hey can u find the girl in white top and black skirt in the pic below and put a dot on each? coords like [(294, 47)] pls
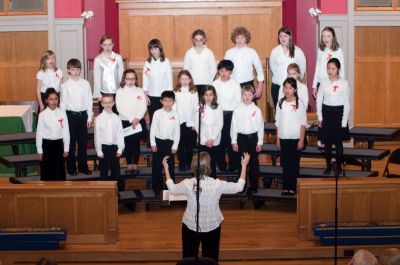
[(281, 56), (131, 105), (186, 105), (290, 121), (49, 76), (107, 71), (210, 216), (200, 61), (212, 120), (333, 111), (52, 139), (157, 76)]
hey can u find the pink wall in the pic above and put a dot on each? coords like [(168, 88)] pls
[(95, 27), (289, 16), (112, 22), (68, 8), (333, 7)]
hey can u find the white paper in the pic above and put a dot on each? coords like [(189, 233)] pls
[(167, 196), (129, 130)]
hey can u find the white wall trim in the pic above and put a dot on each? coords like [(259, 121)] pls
[(69, 42), (23, 23)]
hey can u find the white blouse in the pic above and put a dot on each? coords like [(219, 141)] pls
[(165, 126), (245, 60), (210, 215), (302, 92), (335, 93), (108, 130), (186, 104), (157, 77), (279, 62), (131, 103), (107, 73), (229, 94), (202, 66), (76, 95), (52, 125), (49, 78), (247, 119), (212, 121), (321, 63), (289, 119)]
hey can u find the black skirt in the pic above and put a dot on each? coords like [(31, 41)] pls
[(332, 130), (52, 166)]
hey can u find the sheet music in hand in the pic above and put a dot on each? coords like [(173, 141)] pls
[(167, 196)]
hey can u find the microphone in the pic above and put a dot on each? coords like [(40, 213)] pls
[(334, 166)]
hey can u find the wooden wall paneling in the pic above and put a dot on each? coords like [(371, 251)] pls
[(369, 93), (19, 63), (391, 107), (145, 28), (124, 33)]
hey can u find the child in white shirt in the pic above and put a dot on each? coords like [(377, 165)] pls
[(186, 105), (211, 123), (164, 139), (290, 121), (157, 76), (246, 60), (52, 139), (76, 101), (228, 98), (48, 76), (200, 61), (107, 70), (293, 71), (131, 105), (281, 56), (109, 141), (247, 133)]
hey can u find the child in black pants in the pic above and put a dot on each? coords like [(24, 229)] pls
[(164, 139), (109, 141), (290, 121), (247, 133)]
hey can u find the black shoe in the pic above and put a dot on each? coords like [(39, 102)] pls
[(291, 193), (72, 172), (284, 193), (86, 171), (327, 171)]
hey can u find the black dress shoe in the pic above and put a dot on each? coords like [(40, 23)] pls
[(86, 171), (284, 193), (327, 171)]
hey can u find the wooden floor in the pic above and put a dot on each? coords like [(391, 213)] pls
[(264, 236)]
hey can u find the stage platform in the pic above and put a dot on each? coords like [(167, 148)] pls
[(264, 236)]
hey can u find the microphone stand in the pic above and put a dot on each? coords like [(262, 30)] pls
[(335, 171), (201, 109)]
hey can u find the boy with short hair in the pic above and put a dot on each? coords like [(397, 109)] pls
[(247, 133), (228, 98), (164, 139), (245, 60), (109, 140), (76, 101)]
